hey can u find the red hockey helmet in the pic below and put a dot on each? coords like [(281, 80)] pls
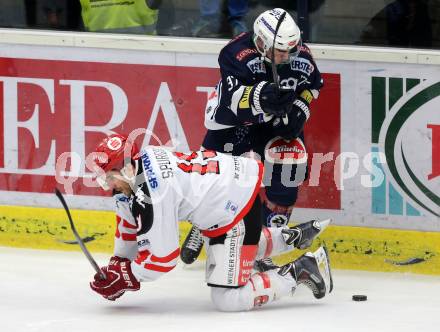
[(113, 152)]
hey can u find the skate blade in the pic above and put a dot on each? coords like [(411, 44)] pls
[(323, 261), (323, 224)]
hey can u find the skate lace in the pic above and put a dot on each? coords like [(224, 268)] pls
[(268, 261), (195, 240)]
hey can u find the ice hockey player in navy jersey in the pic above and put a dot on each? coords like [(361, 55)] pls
[(248, 112), (155, 188)]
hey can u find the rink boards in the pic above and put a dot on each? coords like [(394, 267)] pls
[(355, 248), (373, 139)]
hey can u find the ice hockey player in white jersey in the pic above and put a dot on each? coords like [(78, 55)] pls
[(156, 188)]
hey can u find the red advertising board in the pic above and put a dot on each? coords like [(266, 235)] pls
[(49, 107)]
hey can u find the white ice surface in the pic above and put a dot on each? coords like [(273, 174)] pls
[(48, 291)]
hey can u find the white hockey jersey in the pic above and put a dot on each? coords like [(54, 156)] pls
[(212, 190)]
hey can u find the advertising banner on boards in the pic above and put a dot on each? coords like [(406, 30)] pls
[(373, 143), (372, 139), (50, 107)]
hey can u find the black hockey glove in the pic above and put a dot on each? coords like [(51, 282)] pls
[(267, 98), (291, 125)]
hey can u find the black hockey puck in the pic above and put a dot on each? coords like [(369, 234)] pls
[(359, 297)]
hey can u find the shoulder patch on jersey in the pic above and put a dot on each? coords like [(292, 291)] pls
[(256, 66), (303, 65), (244, 53)]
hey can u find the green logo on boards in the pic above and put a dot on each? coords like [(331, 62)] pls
[(406, 129)]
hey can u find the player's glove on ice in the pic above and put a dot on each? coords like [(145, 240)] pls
[(119, 279), (291, 125), (267, 98)]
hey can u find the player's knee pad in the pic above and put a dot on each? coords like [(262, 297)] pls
[(232, 299), (230, 260), (261, 288)]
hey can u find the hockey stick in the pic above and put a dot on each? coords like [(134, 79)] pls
[(274, 66), (78, 238)]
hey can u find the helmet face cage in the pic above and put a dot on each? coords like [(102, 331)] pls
[(287, 39)]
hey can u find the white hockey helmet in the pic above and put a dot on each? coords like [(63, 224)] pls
[(288, 37)]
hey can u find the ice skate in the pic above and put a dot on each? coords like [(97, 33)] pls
[(302, 235), (312, 270), (192, 246)]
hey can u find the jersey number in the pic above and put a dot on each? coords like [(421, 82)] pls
[(208, 166)]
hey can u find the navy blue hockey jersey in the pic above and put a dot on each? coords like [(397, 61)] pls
[(241, 67)]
